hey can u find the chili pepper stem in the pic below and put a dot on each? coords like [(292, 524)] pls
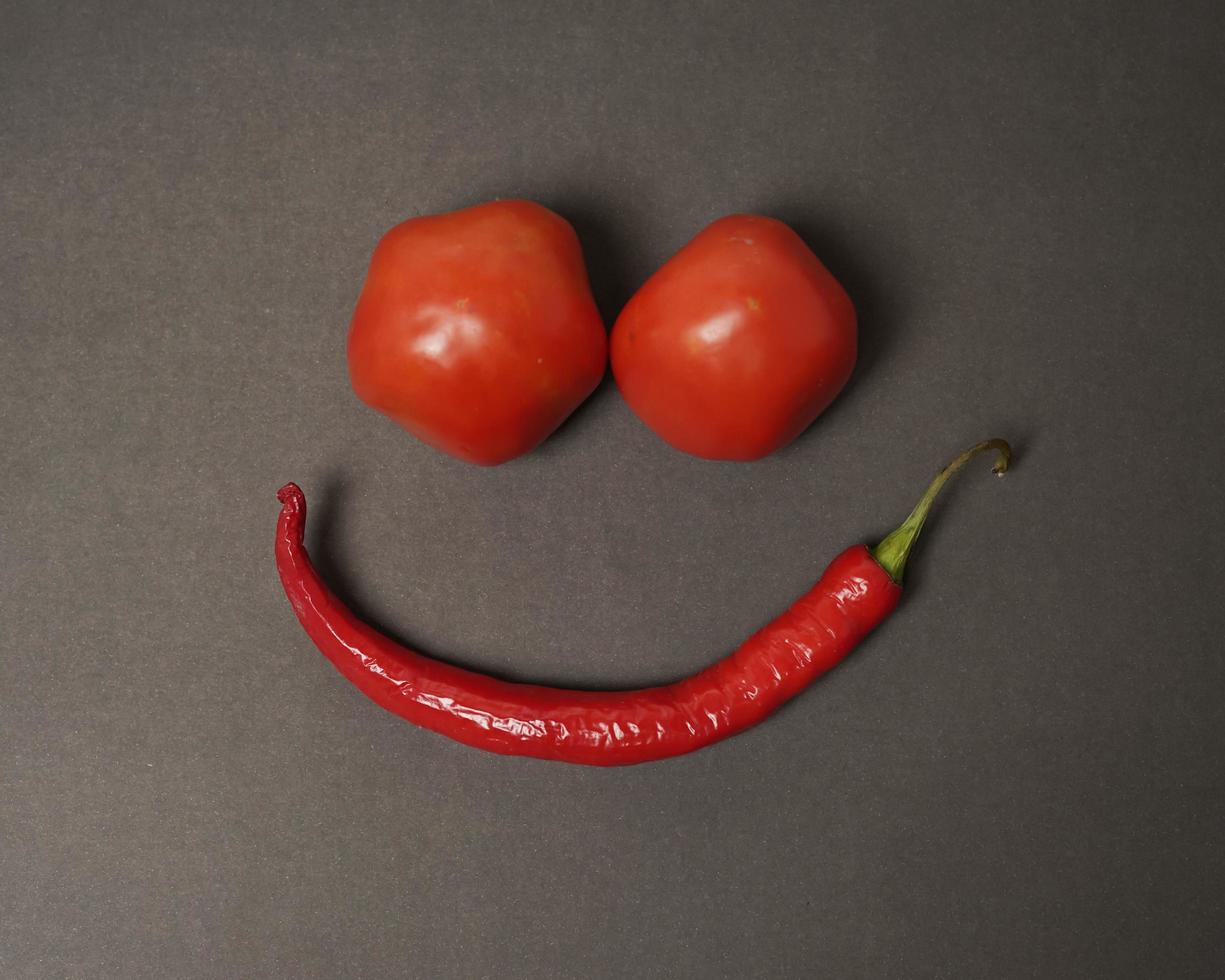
[(892, 552)]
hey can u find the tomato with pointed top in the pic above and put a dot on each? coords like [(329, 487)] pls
[(476, 331), (737, 343)]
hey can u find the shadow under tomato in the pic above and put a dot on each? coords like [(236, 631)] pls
[(863, 272), (606, 251), (582, 423), (614, 277)]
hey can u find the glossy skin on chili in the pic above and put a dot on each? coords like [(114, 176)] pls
[(476, 330), (737, 343), (601, 728)]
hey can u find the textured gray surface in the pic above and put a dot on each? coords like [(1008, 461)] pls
[(1019, 775)]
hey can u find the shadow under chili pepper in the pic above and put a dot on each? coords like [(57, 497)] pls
[(324, 534), (323, 537)]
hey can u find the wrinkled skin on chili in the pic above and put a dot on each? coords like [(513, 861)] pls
[(599, 728), (614, 728)]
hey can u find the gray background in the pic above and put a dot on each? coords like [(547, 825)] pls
[(1019, 775)]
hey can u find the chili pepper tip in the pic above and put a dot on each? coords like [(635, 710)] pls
[(291, 495)]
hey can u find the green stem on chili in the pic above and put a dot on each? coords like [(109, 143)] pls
[(891, 553)]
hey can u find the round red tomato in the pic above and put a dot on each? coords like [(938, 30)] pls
[(476, 330), (735, 345)]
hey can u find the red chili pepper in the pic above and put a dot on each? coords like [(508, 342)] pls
[(612, 728)]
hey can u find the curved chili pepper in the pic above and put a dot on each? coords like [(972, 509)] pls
[(611, 728)]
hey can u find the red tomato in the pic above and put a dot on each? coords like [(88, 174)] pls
[(735, 345), (476, 330)]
